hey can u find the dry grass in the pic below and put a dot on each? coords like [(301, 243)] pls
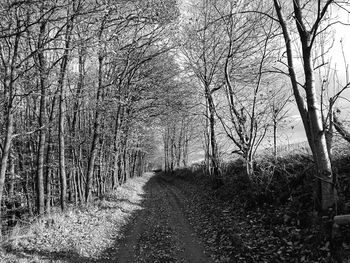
[(286, 149), (82, 233), (340, 148)]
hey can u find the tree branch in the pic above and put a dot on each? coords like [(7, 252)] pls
[(341, 129)]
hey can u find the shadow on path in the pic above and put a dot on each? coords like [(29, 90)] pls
[(158, 232), (61, 256)]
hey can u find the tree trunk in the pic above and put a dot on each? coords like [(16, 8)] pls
[(8, 84), (214, 158), (133, 161), (115, 145), (79, 176), (61, 139), (166, 150), (185, 151), (341, 129), (25, 179), (249, 164), (321, 154), (62, 76), (95, 138), (75, 188), (6, 151), (11, 192), (49, 173), (310, 113), (40, 203), (275, 138), (49, 159), (125, 168)]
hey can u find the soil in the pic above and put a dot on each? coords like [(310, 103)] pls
[(160, 231), (170, 218)]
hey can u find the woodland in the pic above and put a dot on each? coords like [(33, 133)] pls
[(96, 93)]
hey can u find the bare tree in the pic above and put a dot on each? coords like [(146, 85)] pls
[(10, 58), (278, 101), (204, 53), (248, 44), (308, 29), (58, 106)]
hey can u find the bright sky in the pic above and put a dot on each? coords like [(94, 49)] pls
[(295, 131), (339, 51)]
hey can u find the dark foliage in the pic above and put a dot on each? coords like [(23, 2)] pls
[(273, 213)]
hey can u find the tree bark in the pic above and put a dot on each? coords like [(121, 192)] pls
[(115, 149), (8, 83), (42, 121), (341, 129), (25, 179), (61, 80), (11, 192), (95, 138), (275, 138), (6, 150), (214, 158), (310, 113)]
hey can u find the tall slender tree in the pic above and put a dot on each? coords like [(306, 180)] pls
[(308, 28), (204, 53)]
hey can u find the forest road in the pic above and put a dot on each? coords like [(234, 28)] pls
[(160, 232)]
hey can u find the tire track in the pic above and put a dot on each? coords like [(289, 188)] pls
[(192, 250), (161, 232)]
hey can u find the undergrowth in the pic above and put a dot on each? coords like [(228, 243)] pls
[(280, 197), (80, 233)]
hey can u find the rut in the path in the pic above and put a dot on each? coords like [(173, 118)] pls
[(160, 232)]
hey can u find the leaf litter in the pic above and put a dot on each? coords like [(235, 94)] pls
[(228, 230), (82, 233)]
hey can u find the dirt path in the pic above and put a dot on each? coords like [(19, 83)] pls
[(160, 232)]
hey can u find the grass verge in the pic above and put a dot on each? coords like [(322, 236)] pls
[(79, 234)]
